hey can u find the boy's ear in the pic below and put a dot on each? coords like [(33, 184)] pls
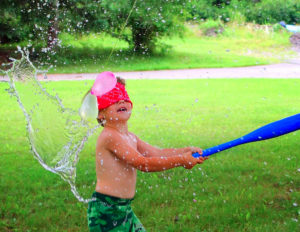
[(100, 116)]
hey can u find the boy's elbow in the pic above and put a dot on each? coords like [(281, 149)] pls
[(142, 170), (141, 164), (145, 168)]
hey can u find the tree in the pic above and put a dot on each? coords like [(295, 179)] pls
[(25, 20), (151, 20), (139, 22), (10, 21)]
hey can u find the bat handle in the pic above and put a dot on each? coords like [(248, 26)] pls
[(218, 148), (197, 155)]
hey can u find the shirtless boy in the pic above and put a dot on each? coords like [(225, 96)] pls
[(119, 153)]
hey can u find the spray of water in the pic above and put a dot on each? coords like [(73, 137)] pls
[(56, 134)]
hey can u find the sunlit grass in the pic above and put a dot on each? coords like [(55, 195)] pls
[(253, 187), (238, 45)]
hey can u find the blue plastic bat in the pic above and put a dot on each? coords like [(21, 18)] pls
[(269, 131)]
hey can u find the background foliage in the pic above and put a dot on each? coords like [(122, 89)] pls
[(258, 11), (43, 20)]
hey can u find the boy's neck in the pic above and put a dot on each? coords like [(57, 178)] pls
[(122, 128)]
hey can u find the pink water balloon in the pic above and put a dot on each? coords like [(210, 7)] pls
[(104, 82)]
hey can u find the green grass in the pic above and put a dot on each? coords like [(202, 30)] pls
[(253, 187), (244, 45), (238, 46)]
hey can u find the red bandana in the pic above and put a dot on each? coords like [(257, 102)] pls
[(118, 93)]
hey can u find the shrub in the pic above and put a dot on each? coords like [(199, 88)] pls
[(207, 9), (277, 27), (212, 27), (272, 11), (258, 11)]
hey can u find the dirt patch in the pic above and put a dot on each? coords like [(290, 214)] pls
[(295, 39)]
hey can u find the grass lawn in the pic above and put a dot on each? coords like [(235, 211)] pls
[(244, 45), (253, 187), (237, 46)]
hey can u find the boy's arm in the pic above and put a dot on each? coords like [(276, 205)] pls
[(124, 151), (151, 151)]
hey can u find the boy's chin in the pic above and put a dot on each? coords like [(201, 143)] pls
[(122, 118)]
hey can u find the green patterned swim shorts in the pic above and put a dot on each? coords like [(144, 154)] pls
[(107, 213)]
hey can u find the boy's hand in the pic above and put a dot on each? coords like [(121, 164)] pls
[(194, 149), (190, 161)]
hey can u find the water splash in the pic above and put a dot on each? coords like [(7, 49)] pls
[(56, 134)]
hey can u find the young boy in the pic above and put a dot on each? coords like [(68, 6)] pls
[(119, 153)]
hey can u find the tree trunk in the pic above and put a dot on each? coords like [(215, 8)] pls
[(53, 29), (52, 34), (142, 39)]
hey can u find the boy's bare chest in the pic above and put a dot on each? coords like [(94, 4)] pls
[(130, 139)]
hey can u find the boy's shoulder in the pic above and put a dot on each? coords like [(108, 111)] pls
[(105, 139), (108, 136)]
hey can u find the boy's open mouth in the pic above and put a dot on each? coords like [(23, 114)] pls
[(122, 109)]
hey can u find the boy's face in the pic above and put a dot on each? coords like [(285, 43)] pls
[(118, 112)]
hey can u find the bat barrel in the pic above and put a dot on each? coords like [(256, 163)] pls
[(274, 129), (271, 130)]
